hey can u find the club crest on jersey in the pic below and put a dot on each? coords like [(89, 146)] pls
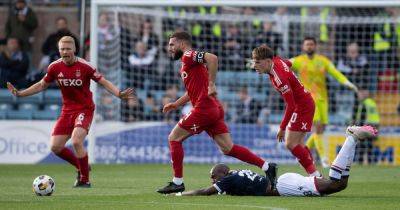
[(78, 73)]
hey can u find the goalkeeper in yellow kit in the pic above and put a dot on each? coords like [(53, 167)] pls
[(312, 70)]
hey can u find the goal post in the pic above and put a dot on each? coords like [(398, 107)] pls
[(122, 49)]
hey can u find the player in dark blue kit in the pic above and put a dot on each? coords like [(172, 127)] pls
[(246, 182)]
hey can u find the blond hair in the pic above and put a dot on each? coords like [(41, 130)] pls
[(67, 39)]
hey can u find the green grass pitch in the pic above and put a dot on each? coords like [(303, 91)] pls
[(133, 187)]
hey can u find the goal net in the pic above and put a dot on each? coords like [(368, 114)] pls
[(129, 47)]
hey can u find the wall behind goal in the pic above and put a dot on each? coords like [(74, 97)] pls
[(146, 142)]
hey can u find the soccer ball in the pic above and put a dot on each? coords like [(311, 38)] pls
[(43, 185)]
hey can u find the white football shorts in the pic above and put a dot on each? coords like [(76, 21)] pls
[(292, 184)]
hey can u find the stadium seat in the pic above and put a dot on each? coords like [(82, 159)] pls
[(4, 108), (6, 97), (52, 97), (24, 111), (36, 99), (226, 78), (19, 114), (50, 112), (228, 97), (141, 94), (275, 118)]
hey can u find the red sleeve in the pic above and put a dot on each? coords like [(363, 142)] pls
[(193, 57), (94, 75), (288, 63), (50, 75)]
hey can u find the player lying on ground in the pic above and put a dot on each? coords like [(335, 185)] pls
[(300, 107), (73, 75), (246, 182), (198, 73)]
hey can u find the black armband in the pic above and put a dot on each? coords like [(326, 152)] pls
[(199, 57)]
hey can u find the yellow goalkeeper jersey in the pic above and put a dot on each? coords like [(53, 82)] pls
[(313, 72)]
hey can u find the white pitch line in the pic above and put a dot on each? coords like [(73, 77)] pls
[(174, 203), (191, 204), (218, 205)]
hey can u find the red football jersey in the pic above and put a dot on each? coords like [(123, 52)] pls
[(74, 82), (286, 83), (194, 74)]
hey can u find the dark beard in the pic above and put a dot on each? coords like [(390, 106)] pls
[(178, 54), (310, 54)]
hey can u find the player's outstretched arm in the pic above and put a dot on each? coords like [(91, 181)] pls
[(341, 78), (174, 105), (212, 66), (35, 88), (110, 87), (206, 191)]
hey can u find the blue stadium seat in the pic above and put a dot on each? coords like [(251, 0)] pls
[(50, 112), (275, 118), (52, 97), (141, 94), (6, 97), (229, 97), (226, 78), (158, 94), (36, 99), (24, 112), (4, 108)]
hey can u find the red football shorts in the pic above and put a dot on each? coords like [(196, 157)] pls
[(302, 118), (210, 120), (68, 121)]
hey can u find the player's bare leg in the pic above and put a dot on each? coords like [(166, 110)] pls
[(340, 169), (226, 145), (294, 141), (78, 137), (58, 147), (175, 140)]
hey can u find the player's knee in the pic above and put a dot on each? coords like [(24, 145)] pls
[(225, 150), (173, 138), (342, 186), (337, 186), (290, 145), (56, 149), (76, 143)]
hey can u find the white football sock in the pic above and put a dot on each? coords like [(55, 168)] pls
[(265, 166), (349, 162), (177, 181), (342, 159), (316, 173)]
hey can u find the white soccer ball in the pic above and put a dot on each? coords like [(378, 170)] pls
[(43, 185)]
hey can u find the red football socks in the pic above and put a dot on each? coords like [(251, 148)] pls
[(84, 165), (305, 159), (69, 156), (176, 149), (245, 155)]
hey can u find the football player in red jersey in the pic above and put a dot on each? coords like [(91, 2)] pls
[(198, 73), (300, 107), (73, 75)]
